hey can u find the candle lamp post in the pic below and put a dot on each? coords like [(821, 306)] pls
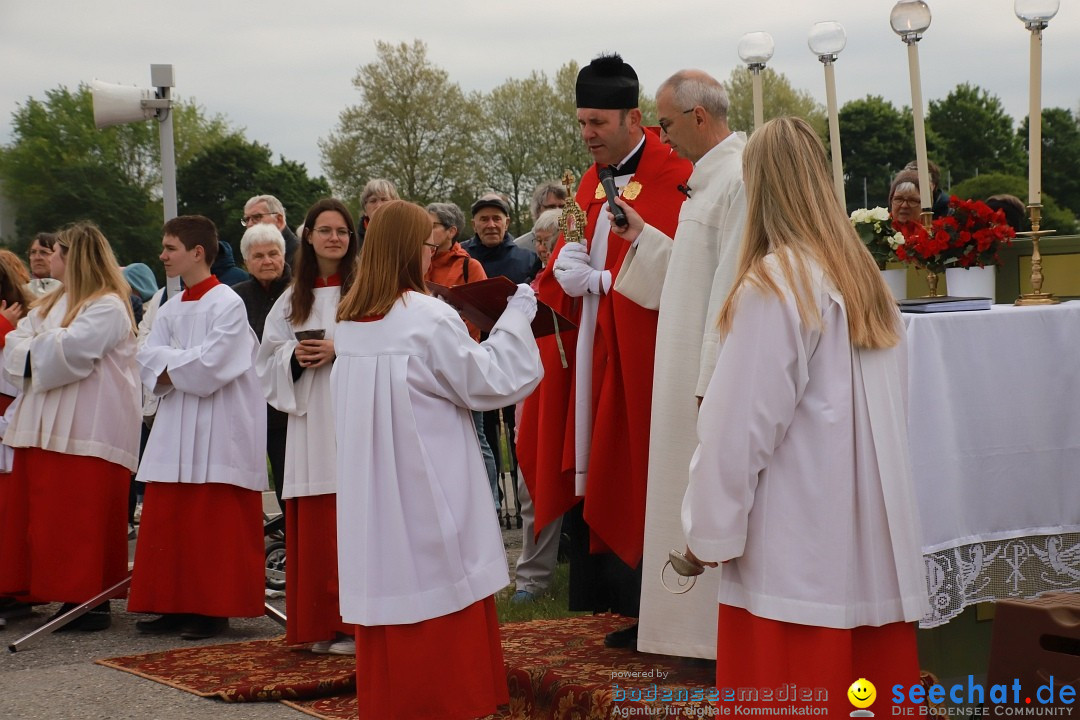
[(1036, 15), (826, 40), (755, 49), (910, 19)]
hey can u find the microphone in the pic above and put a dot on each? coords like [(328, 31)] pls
[(684, 189), (609, 187)]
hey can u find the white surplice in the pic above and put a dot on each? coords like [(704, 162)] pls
[(7, 454), (417, 538), (311, 450), (697, 271), (211, 421), (802, 478), (81, 395)]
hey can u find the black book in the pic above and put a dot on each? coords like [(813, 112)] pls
[(944, 303)]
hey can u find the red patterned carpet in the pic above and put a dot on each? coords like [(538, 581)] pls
[(556, 670)]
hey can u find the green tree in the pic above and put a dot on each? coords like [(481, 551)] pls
[(779, 98), (514, 115), (565, 149), (1060, 155), (876, 142), (531, 136), (60, 168), (412, 125), (976, 136), (219, 180), (1054, 217)]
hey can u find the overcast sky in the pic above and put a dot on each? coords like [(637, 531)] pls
[(283, 70)]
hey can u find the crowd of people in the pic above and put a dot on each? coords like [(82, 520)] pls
[(734, 387)]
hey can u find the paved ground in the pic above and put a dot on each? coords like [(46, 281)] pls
[(56, 679)]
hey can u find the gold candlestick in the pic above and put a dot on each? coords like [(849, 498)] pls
[(927, 220), (1036, 296)]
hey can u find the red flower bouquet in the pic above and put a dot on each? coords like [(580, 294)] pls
[(969, 236)]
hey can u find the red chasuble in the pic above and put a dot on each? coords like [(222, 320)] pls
[(623, 357)]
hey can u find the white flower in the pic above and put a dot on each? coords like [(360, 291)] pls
[(896, 240), (879, 213), (875, 215)]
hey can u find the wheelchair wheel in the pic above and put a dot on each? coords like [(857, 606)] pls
[(275, 565)]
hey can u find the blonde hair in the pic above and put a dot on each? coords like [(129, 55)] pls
[(392, 261), (90, 272), (793, 214)]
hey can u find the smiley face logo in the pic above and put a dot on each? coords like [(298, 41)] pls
[(862, 693)]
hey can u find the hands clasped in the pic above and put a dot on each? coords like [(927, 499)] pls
[(573, 272), (314, 353)]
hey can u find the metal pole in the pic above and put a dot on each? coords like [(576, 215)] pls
[(162, 77)]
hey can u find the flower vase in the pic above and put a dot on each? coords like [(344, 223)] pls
[(972, 282), (896, 279)]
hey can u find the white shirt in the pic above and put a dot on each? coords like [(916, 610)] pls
[(211, 421), (311, 449), (802, 477), (417, 538), (81, 396)]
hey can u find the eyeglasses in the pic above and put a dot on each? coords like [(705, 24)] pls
[(255, 218), (664, 123), (431, 246), (328, 232), (910, 202)]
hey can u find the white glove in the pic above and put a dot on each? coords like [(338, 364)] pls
[(574, 274), (524, 300)]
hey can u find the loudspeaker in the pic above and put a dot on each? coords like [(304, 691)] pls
[(119, 104)]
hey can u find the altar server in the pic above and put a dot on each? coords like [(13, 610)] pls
[(199, 559), (420, 552), (802, 483), (76, 425), (295, 360), (14, 302)]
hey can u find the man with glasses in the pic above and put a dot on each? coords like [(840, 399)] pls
[(268, 209), (700, 268)]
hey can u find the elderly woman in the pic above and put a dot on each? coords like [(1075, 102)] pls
[(905, 203), (545, 232), (263, 249), (377, 192)]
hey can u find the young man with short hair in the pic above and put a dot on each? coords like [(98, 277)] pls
[(199, 559)]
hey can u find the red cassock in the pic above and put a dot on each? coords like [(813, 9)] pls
[(625, 344)]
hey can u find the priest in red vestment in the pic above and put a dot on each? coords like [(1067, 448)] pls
[(584, 435)]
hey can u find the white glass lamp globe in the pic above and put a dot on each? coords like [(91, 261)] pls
[(827, 38), (756, 48), (1038, 12), (910, 18)]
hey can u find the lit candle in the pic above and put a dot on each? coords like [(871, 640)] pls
[(1035, 122)]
